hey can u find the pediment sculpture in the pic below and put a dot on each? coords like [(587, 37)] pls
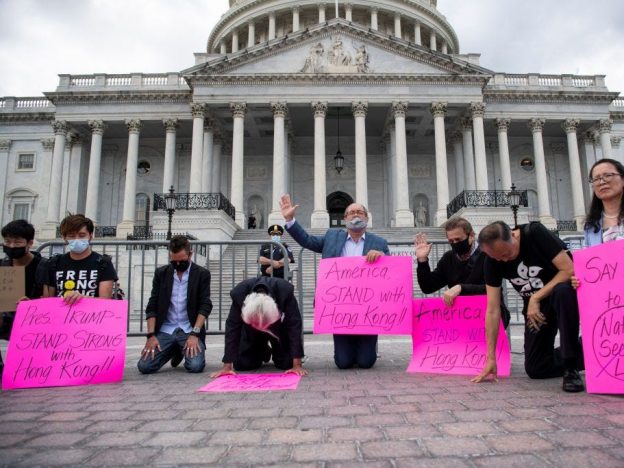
[(336, 59)]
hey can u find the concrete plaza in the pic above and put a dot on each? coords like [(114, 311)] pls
[(378, 417)]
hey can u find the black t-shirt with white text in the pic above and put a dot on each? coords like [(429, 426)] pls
[(84, 276), (533, 268)]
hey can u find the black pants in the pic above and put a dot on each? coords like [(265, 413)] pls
[(351, 350), (541, 360), (257, 347)]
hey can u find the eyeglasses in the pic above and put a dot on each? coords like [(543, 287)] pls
[(605, 177), (356, 213)]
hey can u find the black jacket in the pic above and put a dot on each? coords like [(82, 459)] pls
[(198, 295), (288, 330)]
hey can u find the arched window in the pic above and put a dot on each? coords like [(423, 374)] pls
[(21, 203)]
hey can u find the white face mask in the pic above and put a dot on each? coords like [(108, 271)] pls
[(357, 224), (276, 238), (78, 245)]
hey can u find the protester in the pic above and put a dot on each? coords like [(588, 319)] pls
[(605, 220), (460, 269), (539, 268), (81, 272), (349, 350), (271, 257), (176, 312), (18, 237), (264, 323)]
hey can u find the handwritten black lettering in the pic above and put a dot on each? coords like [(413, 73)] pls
[(41, 341), (597, 271), (398, 295), (75, 369), (88, 340), (338, 274), (30, 372), (33, 316), (348, 295), (85, 317)]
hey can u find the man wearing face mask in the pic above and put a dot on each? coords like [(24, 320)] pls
[(176, 312), (81, 272), (264, 323), (18, 237), (460, 269), (349, 350), (271, 258)]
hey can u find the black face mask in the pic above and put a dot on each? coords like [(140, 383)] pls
[(461, 247), (181, 265), (14, 252)]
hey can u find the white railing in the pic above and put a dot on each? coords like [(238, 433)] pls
[(82, 81), (549, 81), (619, 102), (154, 80), (2, 103), (516, 80), (30, 103), (579, 82), (118, 80)]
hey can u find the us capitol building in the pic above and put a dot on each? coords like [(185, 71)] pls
[(371, 102)]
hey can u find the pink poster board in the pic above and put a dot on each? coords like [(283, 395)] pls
[(355, 297), (55, 345), (600, 270), (242, 383), (452, 340)]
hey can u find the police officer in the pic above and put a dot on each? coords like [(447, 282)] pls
[(271, 257)]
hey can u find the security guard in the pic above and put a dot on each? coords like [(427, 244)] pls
[(271, 258)]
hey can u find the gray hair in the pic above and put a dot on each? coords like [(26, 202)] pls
[(260, 311)]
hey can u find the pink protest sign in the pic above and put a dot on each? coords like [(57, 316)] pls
[(55, 345), (355, 297), (600, 270), (452, 340), (252, 383)]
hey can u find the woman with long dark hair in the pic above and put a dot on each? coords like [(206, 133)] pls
[(605, 220)]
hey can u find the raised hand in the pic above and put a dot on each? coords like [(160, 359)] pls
[(422, 247), (287, 208)]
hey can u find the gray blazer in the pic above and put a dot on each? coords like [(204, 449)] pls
[(331, 244)]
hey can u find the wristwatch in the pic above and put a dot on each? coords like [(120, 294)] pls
[(196, 331)]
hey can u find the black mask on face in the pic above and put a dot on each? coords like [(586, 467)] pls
[(461, 247), (14, 252), (180, 266)]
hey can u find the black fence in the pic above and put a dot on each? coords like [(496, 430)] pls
[(492, 198), (196, 201)]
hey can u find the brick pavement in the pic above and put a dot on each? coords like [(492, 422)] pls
[(378, 417)]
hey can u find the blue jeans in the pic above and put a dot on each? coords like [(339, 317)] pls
[(350, 350), (168, 343)]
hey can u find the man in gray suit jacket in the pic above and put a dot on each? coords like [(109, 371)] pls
[(349, 350)]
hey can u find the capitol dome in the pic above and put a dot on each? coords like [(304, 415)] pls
[(251, 22)]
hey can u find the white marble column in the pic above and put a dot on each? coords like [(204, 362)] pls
[(395, 187), (503, 144), (438, 109), (75, 181), (403, 215), (239, 109), (93, 179), (5, 146), (578, 205), (374, 21), (71, 137), (271, 25), (589, 158), (477, 110), (360, 110), (222, 47), (417, 34), (217, 156), (458, 152), (444, 48), (288, 145), (320, 216), (604, 127), (127, 223), (321, 13), (615, 149), (433, 41), (279, 115), (171, 126), (543, 199), (251, 34), (56, 174), (470, 181), (207, 160), (198, 111), (397, 25), (234, 40), (295, 19), (349, 13)]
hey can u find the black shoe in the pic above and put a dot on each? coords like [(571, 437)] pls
[(176, 359), (572, 382)]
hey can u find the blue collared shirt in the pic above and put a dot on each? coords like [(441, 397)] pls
[(177, 315), (352, 248)]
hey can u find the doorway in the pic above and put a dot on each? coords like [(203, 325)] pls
[(337, 204)]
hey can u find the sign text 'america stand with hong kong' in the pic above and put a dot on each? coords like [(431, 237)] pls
[(55, 345), (355, 297), (600, 270), (452, 340)]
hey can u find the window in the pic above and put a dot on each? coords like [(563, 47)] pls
[(143, 167), (21, 211), (26, 162), (527, 164)]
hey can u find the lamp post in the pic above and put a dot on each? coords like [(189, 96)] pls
[(170, 203), (514, 203), (339, 158)]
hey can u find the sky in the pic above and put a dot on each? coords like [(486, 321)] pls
[(41, 38)]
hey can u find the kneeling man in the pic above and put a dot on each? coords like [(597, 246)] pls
[(176, 312), (538, 266), (264, 323)]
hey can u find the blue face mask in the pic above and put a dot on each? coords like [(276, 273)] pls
[(78, 245), (276, 238)]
